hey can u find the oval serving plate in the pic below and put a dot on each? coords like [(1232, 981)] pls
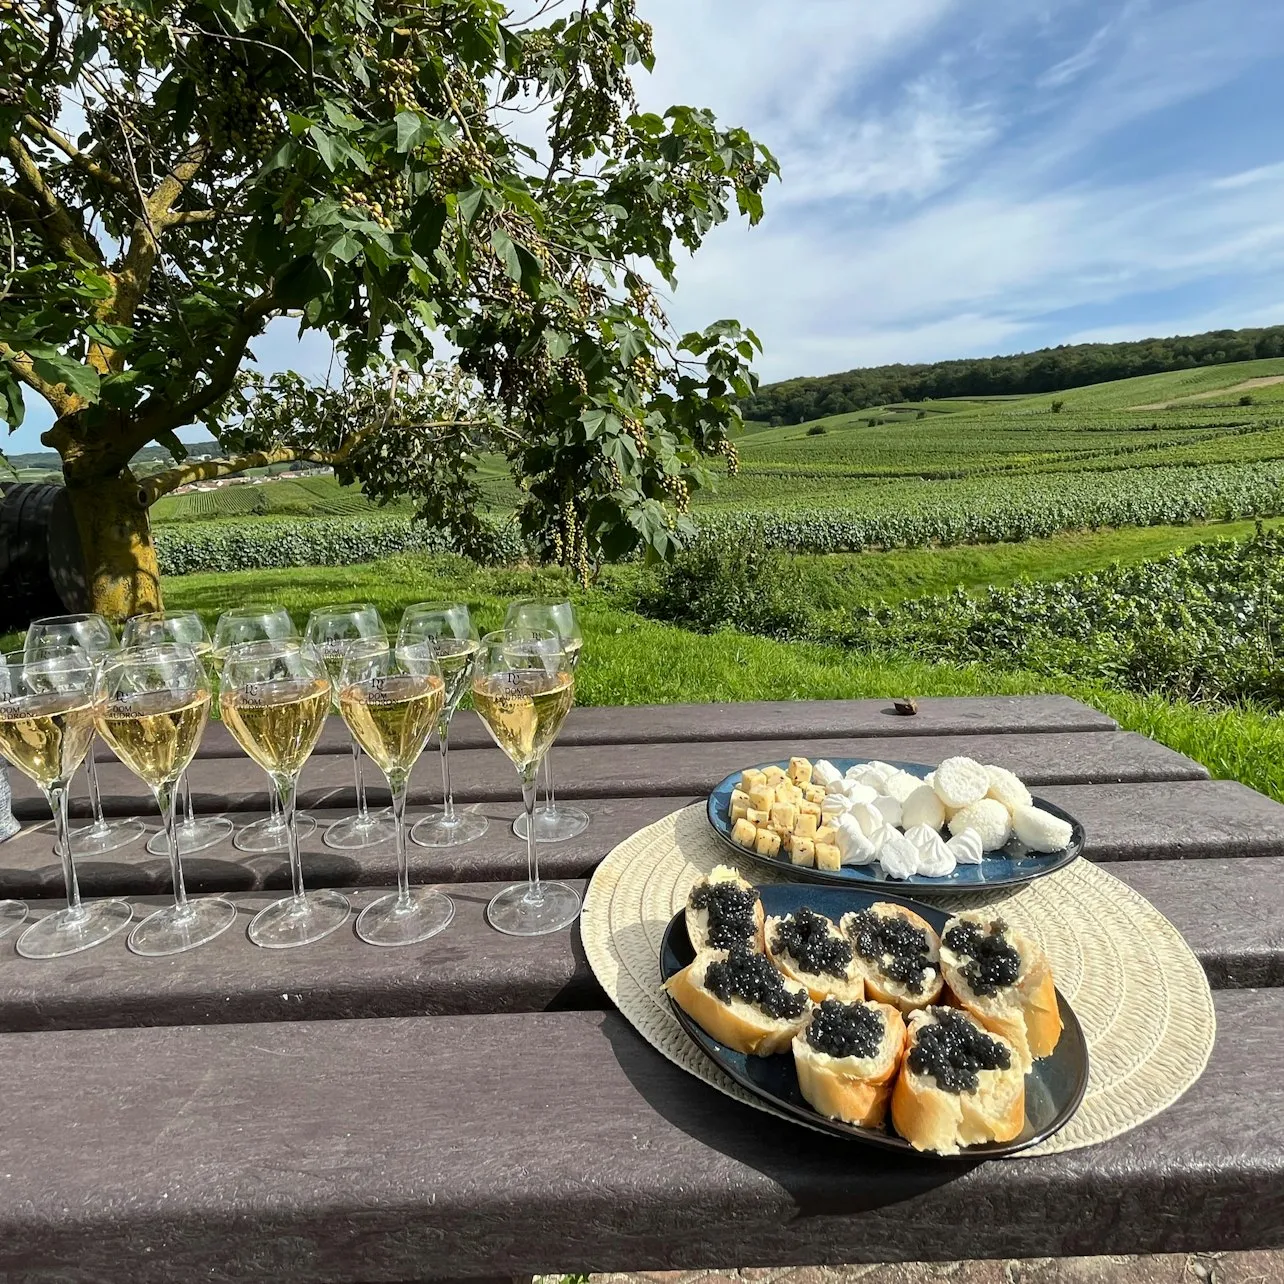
[(1053, 1088), (1010, 866)]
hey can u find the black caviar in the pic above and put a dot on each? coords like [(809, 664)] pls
[(752, 977), (731, 913), (875, 935), (992, 963), (809, 939), (955, 1050), (846, 1029)]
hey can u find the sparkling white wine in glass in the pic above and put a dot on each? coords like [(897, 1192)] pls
[(155, 733), (393, 717), (524, 711), (46, 734), (278, 722)]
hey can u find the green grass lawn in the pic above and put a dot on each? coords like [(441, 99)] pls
[(630, 660)]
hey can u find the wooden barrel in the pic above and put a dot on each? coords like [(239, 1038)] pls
[(42, 569)]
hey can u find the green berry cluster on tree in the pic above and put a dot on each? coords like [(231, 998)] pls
[(176, 173)]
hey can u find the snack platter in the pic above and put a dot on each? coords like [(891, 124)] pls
[(832, 822), (866, 1094)]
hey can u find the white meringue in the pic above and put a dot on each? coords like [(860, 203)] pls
[(854, 847), (960, 781), (868, 817), (901, 785), (967, 847), (923, 807), (824, 773), (832, 806), (889, 807), (1040, 830), (1006, 787), (935, 859), (858, 793), (897, 855), (991, 820)]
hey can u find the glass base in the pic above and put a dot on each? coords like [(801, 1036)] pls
[(68, 931), (357, 831), (268, 834), (196, 836), (12, 914), (93, 840), (385, 922), (299, 920), (527, 910), (182, 927), (554, 824), (434, 830)]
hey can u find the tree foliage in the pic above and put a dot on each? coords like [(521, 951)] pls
[(795, 401), (395, 174)]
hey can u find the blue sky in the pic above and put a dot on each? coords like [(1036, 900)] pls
[(966, 178)]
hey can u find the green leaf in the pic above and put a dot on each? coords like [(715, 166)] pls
[(303, 280), (327, 146), (169, 439), (412, 129), (112, 336), (79, 378), (11, 408), (472, 202), (507, 251)]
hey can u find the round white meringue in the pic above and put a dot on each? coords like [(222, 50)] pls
[(890, 809), (897, 855), (901, 785), (923, 807), (1040, 830), (991, 820), (858, 793), (868, 817)]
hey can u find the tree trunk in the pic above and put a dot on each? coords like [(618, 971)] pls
[(116, 536)]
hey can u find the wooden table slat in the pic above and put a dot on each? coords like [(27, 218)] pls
[(437, 1146)]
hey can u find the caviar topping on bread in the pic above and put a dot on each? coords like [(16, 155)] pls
[(742, 1000), (898, 952), (959, 1084), (1004, 980), (809, 949), (724, 912), (847, 1057)]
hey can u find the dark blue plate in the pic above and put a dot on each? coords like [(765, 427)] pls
[(1053, 1088), (1009, 867)]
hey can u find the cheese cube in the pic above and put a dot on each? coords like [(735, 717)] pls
[(767, 843), (827, 834), (806, 825), (762, 798), (774, 774), (814, 793), (744, 833), (802, 851), (757, 818), (752, 779), (739, 811), (739, 795), (787, 791), (800, 771), (810, 809), (828, 856), (783, 816)]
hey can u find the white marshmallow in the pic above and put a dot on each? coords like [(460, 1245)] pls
[(923, 807), (824, 773), (934, 858), (966, 847), (1040, 830), (960, 781), (868, 817), (1006, 787), (901, 785), (989, 818), (854, 847), (897, 855), (889, 808)]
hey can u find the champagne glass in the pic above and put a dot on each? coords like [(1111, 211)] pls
[(554, 822), (154, 702), (46, 727), (93, 635), (331, 629), (454, 636), (523, 688), (275, 699), (255, 624), (391, 698), (194, 833)]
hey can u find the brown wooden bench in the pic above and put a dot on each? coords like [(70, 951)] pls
[(473, 1107)]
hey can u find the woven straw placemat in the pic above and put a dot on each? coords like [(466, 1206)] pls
[(1136, 987)]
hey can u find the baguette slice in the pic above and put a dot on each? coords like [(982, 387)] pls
[(815, 934), (852, 1088), (715, 912), (1024, 1011), (889, 989), (931, 1117), (739, 1024)]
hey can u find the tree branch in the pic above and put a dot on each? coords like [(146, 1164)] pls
[(78, 158), (152, 488), (57, 225), (181, 218), (62, 402)]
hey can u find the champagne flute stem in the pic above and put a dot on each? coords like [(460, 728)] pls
[(286, 789), (550, 794), (57, 795), (443, 744), (399, 791), (167, 801), (189, 813), (95, 797), (362, 813), (529, 778)]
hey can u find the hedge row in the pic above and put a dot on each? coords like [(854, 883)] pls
[(265, 544)]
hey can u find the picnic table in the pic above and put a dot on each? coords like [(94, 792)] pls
[(473, 1106)]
